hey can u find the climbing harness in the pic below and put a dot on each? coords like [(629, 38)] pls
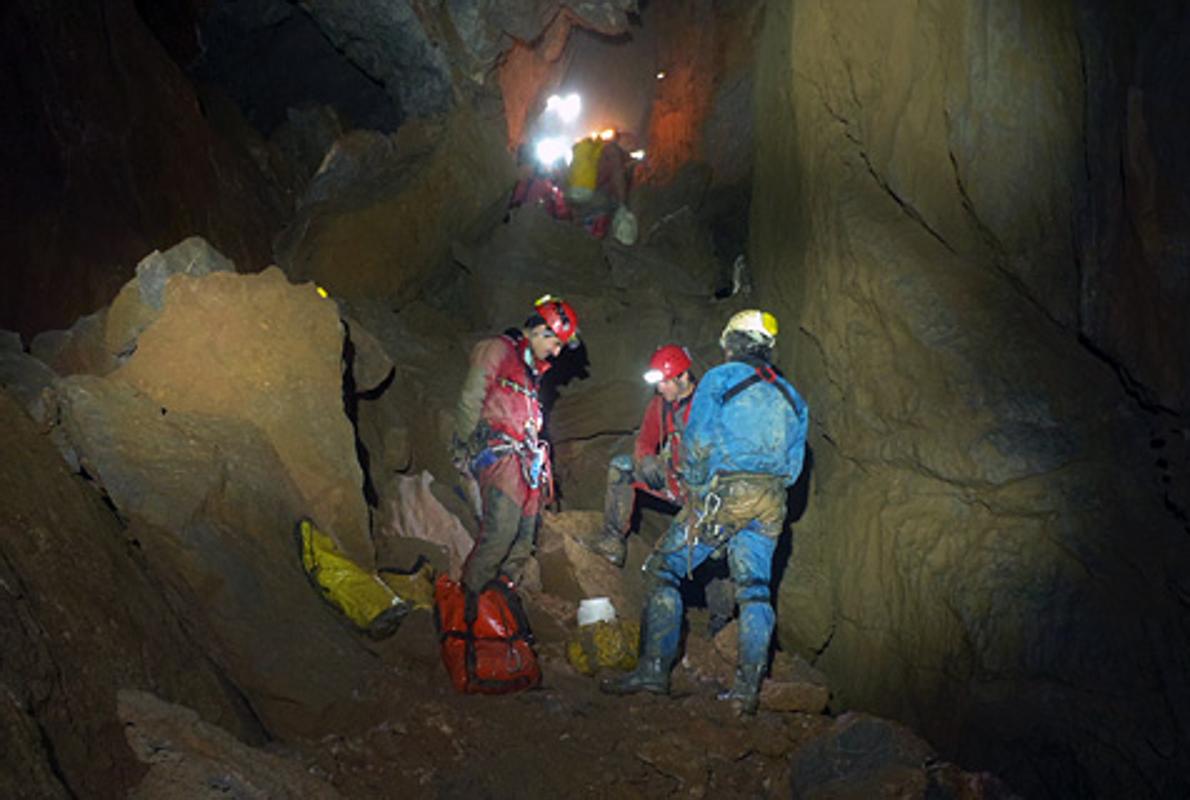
[(531, 452), (520, 389), (702, 530), (764, 373)]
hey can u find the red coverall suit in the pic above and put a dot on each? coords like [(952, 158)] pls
[(499, 421), (660, 436)]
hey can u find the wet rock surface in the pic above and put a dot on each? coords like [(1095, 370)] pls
[(985, 553)]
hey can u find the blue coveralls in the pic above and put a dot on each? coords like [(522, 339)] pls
[(758, 432)]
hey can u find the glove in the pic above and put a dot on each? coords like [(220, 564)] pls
[(651, 471)]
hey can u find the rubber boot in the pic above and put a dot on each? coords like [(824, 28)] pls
[(610, 544), (651, 675), (744, 694)]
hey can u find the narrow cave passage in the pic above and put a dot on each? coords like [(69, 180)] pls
[(251, 249)]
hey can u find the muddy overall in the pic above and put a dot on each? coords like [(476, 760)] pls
[(744, 516)]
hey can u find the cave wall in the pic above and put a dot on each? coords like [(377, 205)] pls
[(702, 109), (1134, 226), (110, 155), (134, 124), (987, 552)]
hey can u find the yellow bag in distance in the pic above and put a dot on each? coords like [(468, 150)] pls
[(584, 169)]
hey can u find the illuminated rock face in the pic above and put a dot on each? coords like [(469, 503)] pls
[(986, 552), (270, 354)]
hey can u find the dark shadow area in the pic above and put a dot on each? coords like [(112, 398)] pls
[(570, 365), (351, 400), (272, 56), (796, 501)]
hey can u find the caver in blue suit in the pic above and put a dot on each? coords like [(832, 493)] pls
[(744, 446)]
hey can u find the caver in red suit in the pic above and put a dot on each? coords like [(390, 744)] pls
[(497, 438), (653, 466)]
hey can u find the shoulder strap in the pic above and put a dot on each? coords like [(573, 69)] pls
[(765, 372)]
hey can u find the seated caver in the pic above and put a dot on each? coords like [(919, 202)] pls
[(653, 466)]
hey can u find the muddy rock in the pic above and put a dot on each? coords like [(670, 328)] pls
[(791, 685), (188, 757), (366, 359), (794, 685), (522, 259), (703, 662), (405, 425), (571, 571), (271, 356), (81, 616), (678, 246), (212, 508), (678, 756), (863, 756), (413, 512)]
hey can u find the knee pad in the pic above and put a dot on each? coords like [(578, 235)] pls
[(752, 592), (620, 469)]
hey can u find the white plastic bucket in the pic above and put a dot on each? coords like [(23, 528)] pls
[(596, 609)]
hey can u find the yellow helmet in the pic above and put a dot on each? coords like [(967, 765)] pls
[(760, 326)]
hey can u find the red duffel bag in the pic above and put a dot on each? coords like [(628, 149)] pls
[(487, 646)]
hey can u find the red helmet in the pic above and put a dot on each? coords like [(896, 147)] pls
[(670, 361), (559, 316)]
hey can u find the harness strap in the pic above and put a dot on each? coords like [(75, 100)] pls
[(518, 388), (533, 457), (763, 373)]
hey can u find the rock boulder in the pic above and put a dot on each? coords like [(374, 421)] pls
[(260, 349), (210, 504), (81, 616)]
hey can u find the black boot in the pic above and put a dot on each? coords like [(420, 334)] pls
[(744, 694), (651, 675)]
